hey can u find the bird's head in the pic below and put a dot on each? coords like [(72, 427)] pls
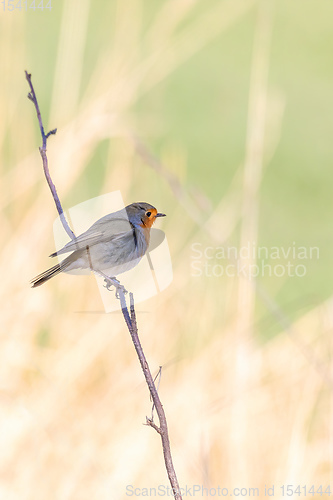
[(142, 214)]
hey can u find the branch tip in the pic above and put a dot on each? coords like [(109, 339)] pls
[(52, 132)]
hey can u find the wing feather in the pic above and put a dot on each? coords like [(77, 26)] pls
[(108, 228)]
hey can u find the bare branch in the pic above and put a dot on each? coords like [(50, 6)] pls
[(130, 318), (42, 150)]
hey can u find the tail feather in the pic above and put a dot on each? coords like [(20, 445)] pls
[(49, 273)]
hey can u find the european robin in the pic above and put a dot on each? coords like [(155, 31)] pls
[(115, 243)]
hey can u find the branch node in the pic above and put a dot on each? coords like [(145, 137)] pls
[(150, 423)]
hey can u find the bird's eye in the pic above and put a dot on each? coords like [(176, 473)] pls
[(148, 214)]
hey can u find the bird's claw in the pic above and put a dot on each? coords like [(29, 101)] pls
[(113, 282)]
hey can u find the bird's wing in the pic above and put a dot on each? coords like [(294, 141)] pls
[(107, 228)]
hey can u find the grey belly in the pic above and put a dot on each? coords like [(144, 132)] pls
[(112, 259)]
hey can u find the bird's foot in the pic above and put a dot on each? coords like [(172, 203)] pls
[(113, 282)]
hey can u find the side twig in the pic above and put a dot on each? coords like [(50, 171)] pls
[(129, 317)]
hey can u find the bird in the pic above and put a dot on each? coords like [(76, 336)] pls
[(113, 245)]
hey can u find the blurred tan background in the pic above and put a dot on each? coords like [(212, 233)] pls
[(220, 114)]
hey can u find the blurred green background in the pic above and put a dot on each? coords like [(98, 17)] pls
[(202, 106), (233, 100)]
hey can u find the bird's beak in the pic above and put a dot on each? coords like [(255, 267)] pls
[(160, 215)]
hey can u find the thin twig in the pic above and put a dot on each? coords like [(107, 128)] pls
[(157, 376), (42, 150), (130, 318)]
